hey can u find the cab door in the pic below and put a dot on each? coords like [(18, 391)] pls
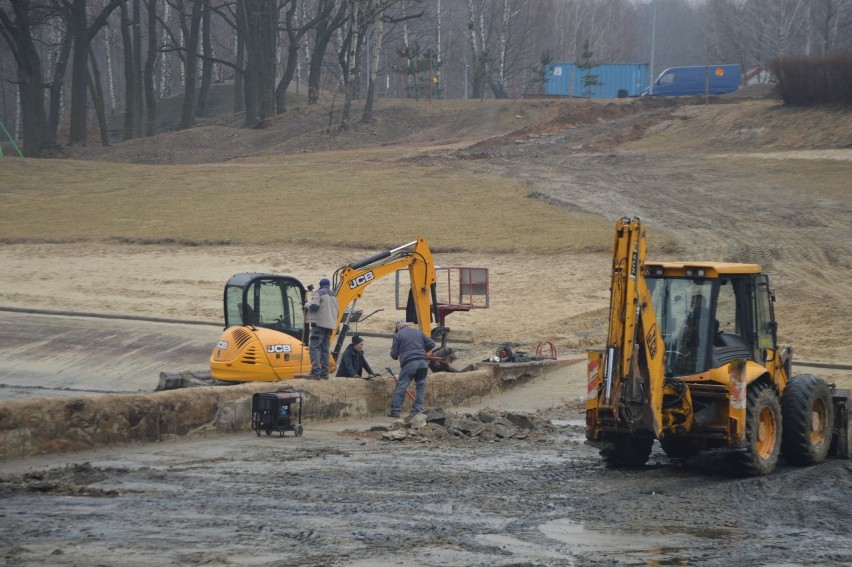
[(764, 319)]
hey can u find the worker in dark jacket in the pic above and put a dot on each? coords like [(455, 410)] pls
[(352, 361), (410, 346)]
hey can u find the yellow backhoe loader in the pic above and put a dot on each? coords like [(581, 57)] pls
[(692, 360), (265, 337)]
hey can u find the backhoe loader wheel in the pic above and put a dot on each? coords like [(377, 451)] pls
[(763, 432), (627, 451), (808, 420)]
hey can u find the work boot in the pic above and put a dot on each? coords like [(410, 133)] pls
[(312, 376), (391, 413), (324, 376)]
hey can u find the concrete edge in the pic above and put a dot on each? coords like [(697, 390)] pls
[(40, 426)]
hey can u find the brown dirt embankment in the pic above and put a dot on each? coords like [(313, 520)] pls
[(39, 426)]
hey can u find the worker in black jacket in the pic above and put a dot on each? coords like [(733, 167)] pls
[(352, 362)]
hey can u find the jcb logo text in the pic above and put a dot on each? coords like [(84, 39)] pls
[(361, 280)]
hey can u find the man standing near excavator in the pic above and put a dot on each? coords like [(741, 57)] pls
[(410, 346), (322, 315)]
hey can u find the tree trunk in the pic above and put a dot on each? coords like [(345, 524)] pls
[(287, 78), (251, 78), (268, 48), (150, 63), (79, 76), (165, 62), (239, 94), (137, 68), (94, 80), (18, 36), (110, 78), (349, 64), (187, 118), (129, 76), (83, 34), (367, 115), (56, 87), (324, 30), (206, 64), (294, 36)]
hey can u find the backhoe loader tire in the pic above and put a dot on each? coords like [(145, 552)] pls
[(680, 447), (808, 420), (763, 432), (627, 451)]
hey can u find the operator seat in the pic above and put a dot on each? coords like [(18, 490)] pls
[(248, 314)]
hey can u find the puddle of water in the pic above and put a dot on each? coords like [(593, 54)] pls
[(528, 550), (655, 546)]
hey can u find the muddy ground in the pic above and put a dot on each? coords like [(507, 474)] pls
[(726, 188), (342, 495)]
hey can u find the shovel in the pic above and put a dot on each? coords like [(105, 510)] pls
[(395, 379)]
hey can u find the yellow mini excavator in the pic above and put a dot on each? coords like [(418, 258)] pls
[(692, 360), (265, 337)]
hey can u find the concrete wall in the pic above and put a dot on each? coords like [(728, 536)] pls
[(53, 425)]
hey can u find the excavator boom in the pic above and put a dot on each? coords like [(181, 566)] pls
[(633, 364), (352, 280)]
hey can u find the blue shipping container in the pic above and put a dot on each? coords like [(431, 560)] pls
[(566, 79)]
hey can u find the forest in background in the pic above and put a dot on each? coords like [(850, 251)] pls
[(69, 67)]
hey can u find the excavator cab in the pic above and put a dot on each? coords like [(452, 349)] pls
[(265, 336), (708, 317), (267, 301)]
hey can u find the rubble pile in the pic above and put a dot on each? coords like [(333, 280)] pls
[(487, 425)]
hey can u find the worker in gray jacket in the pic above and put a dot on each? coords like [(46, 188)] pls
[(410, 347), (322, 316)]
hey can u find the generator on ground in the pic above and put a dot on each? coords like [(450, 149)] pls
[(277, 411)]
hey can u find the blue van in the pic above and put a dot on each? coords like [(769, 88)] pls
[(684, 81)]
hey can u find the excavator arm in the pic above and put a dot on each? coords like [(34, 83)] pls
[(633, 374), (352, 280)]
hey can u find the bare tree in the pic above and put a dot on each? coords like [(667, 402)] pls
[(325, 28), (17, 31), (58, 82), (257, 21), (83, 32), (131, 91), (207, 62), (190, 25), (295, 33), (375, 56), (148, 75)]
